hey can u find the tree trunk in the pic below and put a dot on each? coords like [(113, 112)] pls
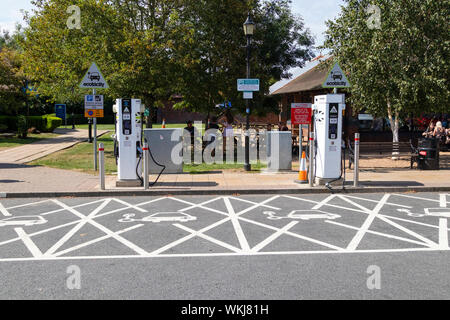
[(395, 125)]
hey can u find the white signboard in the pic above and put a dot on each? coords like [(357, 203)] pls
[(336, 78), (93, 102), (248, 95), (248, 85), (94, 79)]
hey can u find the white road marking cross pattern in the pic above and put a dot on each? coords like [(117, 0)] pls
[(232, 226)]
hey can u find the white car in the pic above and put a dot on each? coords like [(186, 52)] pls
[(23, 221), (303, 215), (160, 217)]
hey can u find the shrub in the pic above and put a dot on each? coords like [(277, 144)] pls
[(52, 123)]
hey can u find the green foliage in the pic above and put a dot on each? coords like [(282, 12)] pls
[(153, 49), (22, 126), (52, 124), (41, 123), (401, 68)]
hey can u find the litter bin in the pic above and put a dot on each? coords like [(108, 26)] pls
[(428, 154)]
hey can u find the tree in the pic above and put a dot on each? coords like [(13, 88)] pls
[(399, 67), (129, 39), (215, 57)]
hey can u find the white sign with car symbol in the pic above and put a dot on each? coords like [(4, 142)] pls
[(160, 217), (23, 221), (303, 215)]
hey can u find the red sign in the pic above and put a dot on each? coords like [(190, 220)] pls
[(301, 113)]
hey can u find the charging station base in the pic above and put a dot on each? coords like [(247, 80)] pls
[(128, 183), (322, 181)]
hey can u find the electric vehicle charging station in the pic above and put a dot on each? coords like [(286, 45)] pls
[(328, 120), (128, 146)]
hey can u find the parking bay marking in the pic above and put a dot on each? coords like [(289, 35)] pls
[(268, 240)]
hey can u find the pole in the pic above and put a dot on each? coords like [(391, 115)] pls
[(311, 158), (95, 138), (101, 156), (247, 165), (356, 170), (146, 173)]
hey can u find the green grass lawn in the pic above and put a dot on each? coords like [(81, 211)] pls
[(17, 142), (80, 158)]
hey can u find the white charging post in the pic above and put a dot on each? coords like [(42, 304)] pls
[(129, 141), (328, 119)]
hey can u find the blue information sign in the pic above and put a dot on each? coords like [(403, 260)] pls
[(60, 110)]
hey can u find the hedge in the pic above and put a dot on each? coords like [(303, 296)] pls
[(41, 123)]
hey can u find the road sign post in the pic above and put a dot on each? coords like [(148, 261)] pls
[(93, 79)]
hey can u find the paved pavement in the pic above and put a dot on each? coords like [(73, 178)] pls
[(40, 149), (371, 246)]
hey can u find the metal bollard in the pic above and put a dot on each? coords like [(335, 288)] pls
[(356, 164), (311, 158), (146, 169), (101, 157)]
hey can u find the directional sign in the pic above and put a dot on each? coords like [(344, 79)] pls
[(93, 106), (94, 79), (336, 78), (301, 113), (247, 85), (60, 110), (248, 95)]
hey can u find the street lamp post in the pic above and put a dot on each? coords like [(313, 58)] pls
[(249, 29)]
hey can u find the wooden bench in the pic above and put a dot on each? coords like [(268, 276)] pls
[(383, 150)]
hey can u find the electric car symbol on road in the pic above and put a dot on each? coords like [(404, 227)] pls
[(303, 215), (160, 217), (429, 212), (23, 221)]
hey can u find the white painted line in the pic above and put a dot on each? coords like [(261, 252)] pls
[(206, 237), (353, 245), (443, 200), (83, 245), (64, 225), (378, 233), (4, 211), (237, 226), (443, 233), (252, 202), (376, 201), (122, 240), (130, 205), (31, 246), (413, 197), (186, 238), (75, 229), (28, 204), (296, 235), (327, 204), (200, 205), (263, 203), (366, 210), (409, 221), (410, 232), (77, 206), (201, 255), (273, 237), (323, 202)]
